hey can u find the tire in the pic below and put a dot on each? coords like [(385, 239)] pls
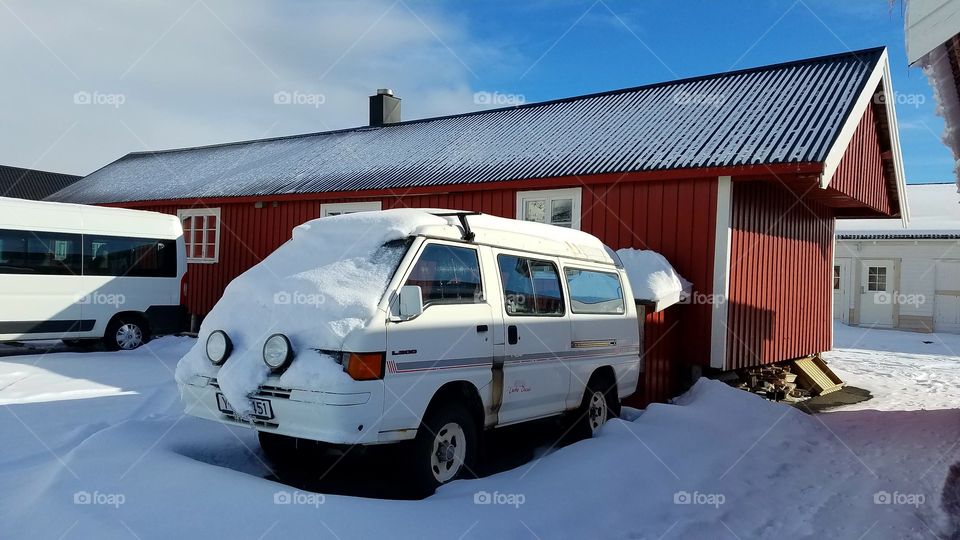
[(125, 332), (445, 447), (600, 404)]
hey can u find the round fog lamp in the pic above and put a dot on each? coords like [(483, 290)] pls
[(277, 351), (218, 347)]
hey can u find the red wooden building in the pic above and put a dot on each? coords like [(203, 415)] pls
[(736, 178)]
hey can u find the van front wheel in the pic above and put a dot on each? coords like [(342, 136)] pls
[(445, 447)]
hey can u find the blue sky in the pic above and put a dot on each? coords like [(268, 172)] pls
[(156, 74), (582, 47)]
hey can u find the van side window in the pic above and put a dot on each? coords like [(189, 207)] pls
[(42, 253), (448, 275), (594, 292), (530, 287), (132, 257)]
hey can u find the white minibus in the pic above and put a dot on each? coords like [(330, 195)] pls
[(82, 273), (418, 327)]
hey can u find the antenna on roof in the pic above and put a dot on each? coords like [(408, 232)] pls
[(468, 234)]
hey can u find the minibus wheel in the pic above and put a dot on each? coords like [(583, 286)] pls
[(600, 403), (125, 333), (445, 447)]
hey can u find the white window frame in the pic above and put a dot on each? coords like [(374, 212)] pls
[(207, 258), (349, 207), (550, 195)]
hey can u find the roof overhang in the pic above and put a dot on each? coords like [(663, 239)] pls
[(877, 92)]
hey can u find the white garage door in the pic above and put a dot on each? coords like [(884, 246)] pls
[(947, 302)]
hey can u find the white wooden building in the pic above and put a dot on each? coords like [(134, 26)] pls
[(886, 275)]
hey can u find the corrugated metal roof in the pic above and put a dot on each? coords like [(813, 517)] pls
[(31, 184), (785, 113)]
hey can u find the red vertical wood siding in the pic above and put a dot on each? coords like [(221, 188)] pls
[(860, 174), (661, 343), (780, 274)]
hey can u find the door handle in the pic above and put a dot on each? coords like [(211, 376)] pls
[(482, 328), (512, 337)]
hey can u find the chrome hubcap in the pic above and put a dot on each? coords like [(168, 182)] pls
[(597, 411), (449, 451), (129, 336)]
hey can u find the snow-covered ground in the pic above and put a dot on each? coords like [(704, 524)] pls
[(904, 370), (94, 445)]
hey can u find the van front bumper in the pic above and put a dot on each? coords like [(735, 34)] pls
[(335, 418)]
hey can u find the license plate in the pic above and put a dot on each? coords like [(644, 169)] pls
[(259, 408)]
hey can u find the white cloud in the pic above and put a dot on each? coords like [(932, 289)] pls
[(171, 74)]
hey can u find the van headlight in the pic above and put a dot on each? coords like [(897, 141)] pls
[(218, 347), (277, 351)]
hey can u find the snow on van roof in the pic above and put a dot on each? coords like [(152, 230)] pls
[(653, 278), (323, 284), (934, 213)]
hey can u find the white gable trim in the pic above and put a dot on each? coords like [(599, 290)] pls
[(721, 274), (879, 76)]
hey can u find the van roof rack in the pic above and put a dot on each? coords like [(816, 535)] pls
[(468, 234)]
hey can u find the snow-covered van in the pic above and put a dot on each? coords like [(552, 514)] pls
[(418, 326)]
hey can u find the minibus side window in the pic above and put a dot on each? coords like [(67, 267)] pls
[(41, 253), (131, 257), (530, 286), (448, 275), (594, 292)]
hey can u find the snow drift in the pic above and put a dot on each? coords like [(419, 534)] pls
[(653, 278), (718, 459), (317, 288)]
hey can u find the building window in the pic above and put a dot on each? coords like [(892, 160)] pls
[(336, 209), (201, 234), (560, 207), (836, 277), (877, 278)]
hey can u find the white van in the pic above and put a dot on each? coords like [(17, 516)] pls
[(79, 273), (475, 322)]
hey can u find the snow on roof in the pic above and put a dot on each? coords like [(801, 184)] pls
[(934, 209), (653, 278), (782, 113)]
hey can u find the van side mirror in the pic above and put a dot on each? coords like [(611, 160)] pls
[(411, 301)]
